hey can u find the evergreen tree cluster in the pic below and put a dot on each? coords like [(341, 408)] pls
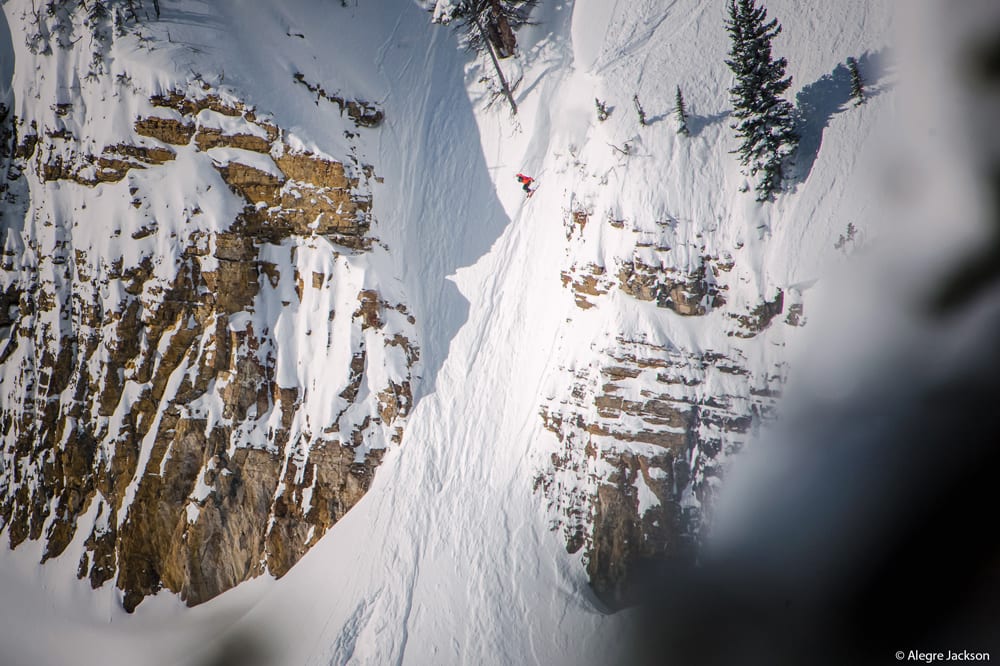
[(765, 120)]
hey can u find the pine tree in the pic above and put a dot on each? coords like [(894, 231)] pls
[(766, 121), (680, 112), (857, 86), (603, 112)]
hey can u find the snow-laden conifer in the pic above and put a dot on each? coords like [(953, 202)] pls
[(765, 123), (857, 86), (680, 113)]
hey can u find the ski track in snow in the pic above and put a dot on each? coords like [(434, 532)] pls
[(448, 559)]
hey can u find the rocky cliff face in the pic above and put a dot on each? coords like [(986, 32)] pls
[(201, 369), (645, 421), (206, 346), (682, 297)]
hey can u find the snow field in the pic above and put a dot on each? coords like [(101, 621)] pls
[(449, 557)]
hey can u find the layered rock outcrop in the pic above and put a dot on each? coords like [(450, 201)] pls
[(645, 424), (200, 377)]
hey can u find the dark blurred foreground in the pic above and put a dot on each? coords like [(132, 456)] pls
[(885, 540), (879, 535)]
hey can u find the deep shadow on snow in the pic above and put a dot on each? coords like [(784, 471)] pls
[(818, 102)]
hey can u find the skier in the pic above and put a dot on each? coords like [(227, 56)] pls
[(526, 182)]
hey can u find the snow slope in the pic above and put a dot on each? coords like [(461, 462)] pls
[(450, 558)]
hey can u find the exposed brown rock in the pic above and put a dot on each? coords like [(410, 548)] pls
[(336, 482), (116, 425), (208, 137), (754, 322), (644, 442), (315, 196), (190, 105), (149, 155), (691, 294), (111, 166), (167, 130), (369, 310), (589, 282), (26, 149), (364, 114), (796, 315), (309, 168), (254, 185), (9, 305), (625, 541)]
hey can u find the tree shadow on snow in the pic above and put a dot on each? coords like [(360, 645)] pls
[(696, 124), (656, 119), (829, 95)]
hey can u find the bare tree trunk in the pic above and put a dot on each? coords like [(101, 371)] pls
[(639, 110), (496, 65), (508, 43)]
